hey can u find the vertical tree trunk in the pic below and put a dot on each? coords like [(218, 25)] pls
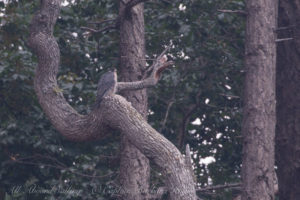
[(134, 167), (259, 120), (288, 101)]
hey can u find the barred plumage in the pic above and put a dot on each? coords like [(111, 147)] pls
[(106, 86)]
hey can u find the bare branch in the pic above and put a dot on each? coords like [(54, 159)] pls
[(218, 187), (157, 60), (170, 103), (89, 29), (188, 161), (187, 113), (146, 83), (106, 28), (285, 28), (230, 96), (164, 52), (114, 25), (158, 66), (233, 11), (103, 21), (186, 118), (283, 39)]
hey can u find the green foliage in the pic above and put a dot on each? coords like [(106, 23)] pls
[(205, 84), (213, 70)]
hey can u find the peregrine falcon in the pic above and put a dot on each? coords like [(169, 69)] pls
[(106, 86)]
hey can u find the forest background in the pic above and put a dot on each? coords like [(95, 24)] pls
[(198, 101)]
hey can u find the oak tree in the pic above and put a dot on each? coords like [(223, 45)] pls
[(114, 112)]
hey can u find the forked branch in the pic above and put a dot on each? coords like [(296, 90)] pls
[(153, 74)]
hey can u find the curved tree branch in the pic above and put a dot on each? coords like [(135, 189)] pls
[(65, 119), (106, 28), (121, 116), (114, 111)]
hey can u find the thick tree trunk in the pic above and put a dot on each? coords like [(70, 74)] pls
[(259, 118), (134, 166), (288, 101)]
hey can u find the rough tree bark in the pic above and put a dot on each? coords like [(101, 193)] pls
[(259, 118), (288, 100), (134, 166), (114, 112)]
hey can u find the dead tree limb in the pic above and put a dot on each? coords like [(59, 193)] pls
[(219, 187), (153, 72), (242, 12), (106, 28)]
